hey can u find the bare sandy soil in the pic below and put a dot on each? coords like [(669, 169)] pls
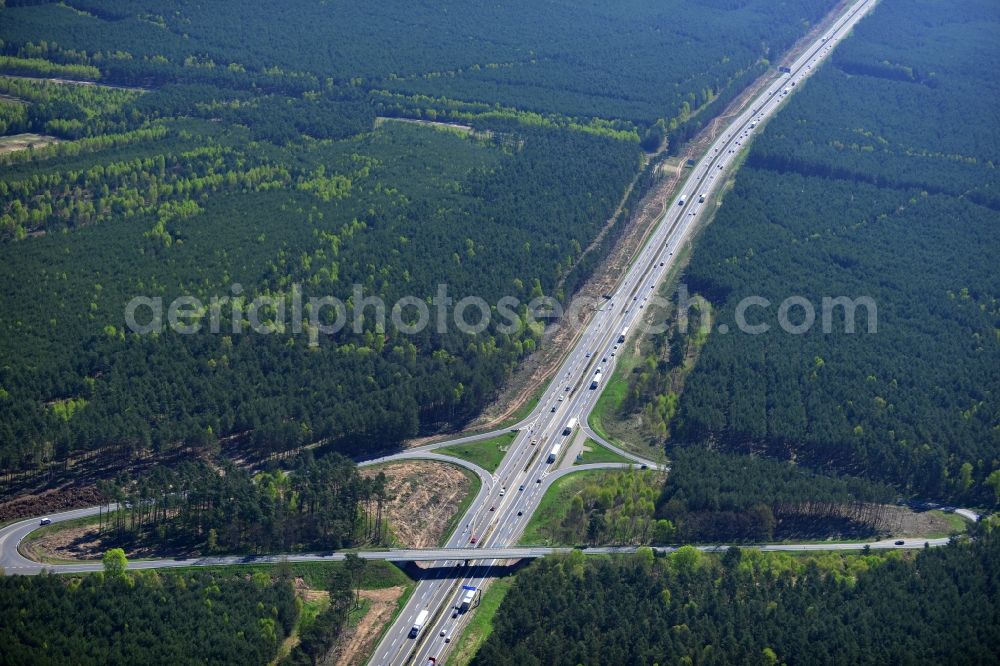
[(359, 641), (49, 501), (16, 142), (83, 542), (72, 543), (902, 522), (425, 497)]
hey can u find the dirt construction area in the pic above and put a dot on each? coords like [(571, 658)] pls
[(425, 496), (359, 641)]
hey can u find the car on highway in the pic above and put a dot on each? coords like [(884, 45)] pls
[(538, 480), (521, 489), (45, 521), (472, 540), (443, 632), (561, 398), (900, 543), (553, 408), (588, 354), (493, 508), (534, 441), (520, 513), (447, 639), (454, 614), (503, 491)]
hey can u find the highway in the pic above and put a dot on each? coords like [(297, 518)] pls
[(498, 517)]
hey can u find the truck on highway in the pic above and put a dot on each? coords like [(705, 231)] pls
[(553, 454), (419, 623), (596, 381), (569, 426), (621, 336), (467, 598), (701, 197), (680, 202)]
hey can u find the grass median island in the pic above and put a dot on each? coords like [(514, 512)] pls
[(487, 453), (600, 507), (613, 395), (593, 452), (554, 506)]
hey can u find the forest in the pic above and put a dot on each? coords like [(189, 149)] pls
[(206, 161), (323, 215), (849, 200), (145, 618), (712, 496), (746, 607), (193, 508), (582, 60)]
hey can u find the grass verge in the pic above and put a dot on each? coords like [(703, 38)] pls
[(553, 507), (376, 576), (593, 452), (612, 397), (487, 453)]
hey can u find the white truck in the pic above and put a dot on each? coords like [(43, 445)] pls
[(596, 381), (419, 623), (553, 453), (569, 426), (621, 336), (680, 202), (467, 598)]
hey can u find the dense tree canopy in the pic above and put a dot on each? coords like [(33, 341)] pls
[(939, 606), (627, 60), (193, 507), (878, 196), (224, 150), (148, 618)]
